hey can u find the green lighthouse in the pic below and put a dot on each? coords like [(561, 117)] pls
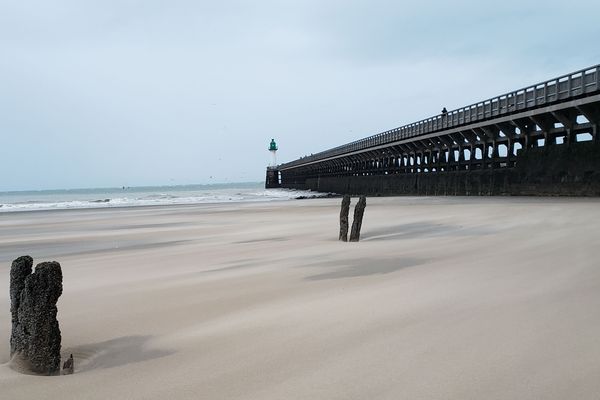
[(273, 150), (273, 145), (272, 172)]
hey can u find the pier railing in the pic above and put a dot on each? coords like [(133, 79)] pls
[(563, 88)]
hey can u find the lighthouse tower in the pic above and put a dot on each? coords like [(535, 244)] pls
[(273, 150), (272, 180)]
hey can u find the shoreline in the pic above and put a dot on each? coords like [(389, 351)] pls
[(327, 196), (99, 207)]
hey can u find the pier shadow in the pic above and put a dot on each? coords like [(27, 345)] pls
[(363, 267), (114, 353)]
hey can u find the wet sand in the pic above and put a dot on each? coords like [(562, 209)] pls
[(444, 298)]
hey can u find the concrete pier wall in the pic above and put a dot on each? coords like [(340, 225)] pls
[(557, 170), (272, 179)]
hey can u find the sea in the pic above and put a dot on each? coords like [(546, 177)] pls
[(146, 196)]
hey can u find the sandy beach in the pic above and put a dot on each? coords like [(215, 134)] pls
[(443, 298)]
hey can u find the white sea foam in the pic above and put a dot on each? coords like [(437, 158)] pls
[(146, 196)]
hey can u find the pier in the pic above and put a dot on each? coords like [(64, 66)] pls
[(538, 140)]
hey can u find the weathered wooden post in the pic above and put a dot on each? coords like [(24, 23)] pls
[(359, 211), (19, 271), (35, 331), (344, 218)]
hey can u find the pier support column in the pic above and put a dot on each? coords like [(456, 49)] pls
[(526, 141), (548, 139), (570, 136), (482, 161), (484, 155), (471, 156), (495, 154), (430, 162), (450, 161)]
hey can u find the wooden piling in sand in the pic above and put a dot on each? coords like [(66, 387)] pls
[(344, 218), (359, 211)]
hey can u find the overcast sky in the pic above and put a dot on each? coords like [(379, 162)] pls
[(130, 92)]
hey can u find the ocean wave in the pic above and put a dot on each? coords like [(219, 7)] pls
[(159, 196), (157, 199)]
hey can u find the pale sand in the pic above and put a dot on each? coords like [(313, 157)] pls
[(445, 298)]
